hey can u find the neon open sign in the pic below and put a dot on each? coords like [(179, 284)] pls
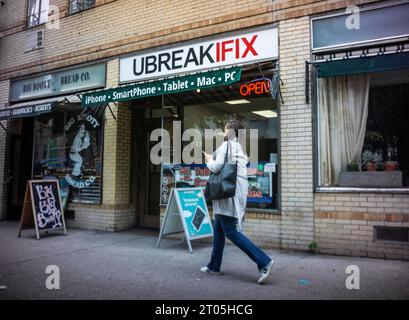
[(259, 86)]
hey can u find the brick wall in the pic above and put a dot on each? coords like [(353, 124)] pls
[(117, 146), (12, 15), (296, 136), (344, 223), (115, 213), (264, 229), (103, 218), (110, 139), (99, 33)]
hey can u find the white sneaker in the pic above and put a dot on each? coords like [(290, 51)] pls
[(206, 269), (265, 272)]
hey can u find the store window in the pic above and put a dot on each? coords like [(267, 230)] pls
[(80, 5), (249, 101), (68, 147), (363, 136), (374, 24), (37, 12)]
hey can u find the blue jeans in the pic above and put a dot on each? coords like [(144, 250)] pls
[(225, 226)]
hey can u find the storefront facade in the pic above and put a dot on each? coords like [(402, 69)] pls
[(303, 190), (53, 137)]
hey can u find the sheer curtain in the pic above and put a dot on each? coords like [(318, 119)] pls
[(37, 15), (33, 10), (343, 112)]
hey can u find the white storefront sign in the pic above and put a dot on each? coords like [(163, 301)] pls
[(61, 82), (239, 49)]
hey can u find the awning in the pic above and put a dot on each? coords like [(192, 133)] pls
[(203, 80), (349, 66), (35, 108)]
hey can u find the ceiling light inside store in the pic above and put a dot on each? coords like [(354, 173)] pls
[(242, 101), (266, 113)]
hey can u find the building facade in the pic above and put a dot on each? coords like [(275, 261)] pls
[(323, 82)]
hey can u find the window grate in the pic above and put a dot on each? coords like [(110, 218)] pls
[(392, 234), (34, 40)]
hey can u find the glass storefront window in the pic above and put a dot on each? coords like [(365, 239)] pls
[(250, 102), (363, 133), (374, 25), (68, 147)]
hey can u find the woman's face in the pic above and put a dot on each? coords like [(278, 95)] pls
[(226, 131)]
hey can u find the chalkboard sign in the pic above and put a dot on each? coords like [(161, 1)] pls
[(42, 207), (187, 212)]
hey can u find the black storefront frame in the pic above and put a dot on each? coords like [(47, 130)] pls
[(313, 73), (101, 150), (356, 50), (279, 171)]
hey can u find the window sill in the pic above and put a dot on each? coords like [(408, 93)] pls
[(43, 24), (269, 211), (80, 11), (361, 190)]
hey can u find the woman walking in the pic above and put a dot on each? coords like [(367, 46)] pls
[(229, 212)]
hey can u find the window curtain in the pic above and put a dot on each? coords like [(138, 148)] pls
[(44, 11), (343, 113)]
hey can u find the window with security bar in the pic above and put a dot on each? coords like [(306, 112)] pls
[(37, 12), (80, 5)]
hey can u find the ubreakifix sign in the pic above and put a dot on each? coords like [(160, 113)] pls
[(239, 49), (167, 86)]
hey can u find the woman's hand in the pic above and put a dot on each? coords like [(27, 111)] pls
[(207, 156)]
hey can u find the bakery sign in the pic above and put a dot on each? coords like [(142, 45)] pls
[(238, 49), (58, 83)]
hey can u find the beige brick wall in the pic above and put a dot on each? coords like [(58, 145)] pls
[(115, 21), (117, 147), (344, 223), (264, 229), (110, 139), (103, 218), (12, 14), (120, 27), (115, 213), (296, 136)]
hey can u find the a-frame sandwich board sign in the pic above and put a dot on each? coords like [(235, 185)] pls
[(187, 212), (42, 209)]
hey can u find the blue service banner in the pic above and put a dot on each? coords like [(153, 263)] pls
[(195, 213)]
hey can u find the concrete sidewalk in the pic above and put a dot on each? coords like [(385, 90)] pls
[(127, 265)]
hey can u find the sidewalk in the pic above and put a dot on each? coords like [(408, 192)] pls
[(127, 265)]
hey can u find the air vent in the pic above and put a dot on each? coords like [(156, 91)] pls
[(392, 234), (34, 40)]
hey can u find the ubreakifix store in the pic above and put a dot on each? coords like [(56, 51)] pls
[(196, 85), (51, 136)]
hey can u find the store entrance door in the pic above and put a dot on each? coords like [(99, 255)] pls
[(147, 180), (20, 167)]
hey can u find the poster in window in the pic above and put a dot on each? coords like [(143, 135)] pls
[(83, 147)]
